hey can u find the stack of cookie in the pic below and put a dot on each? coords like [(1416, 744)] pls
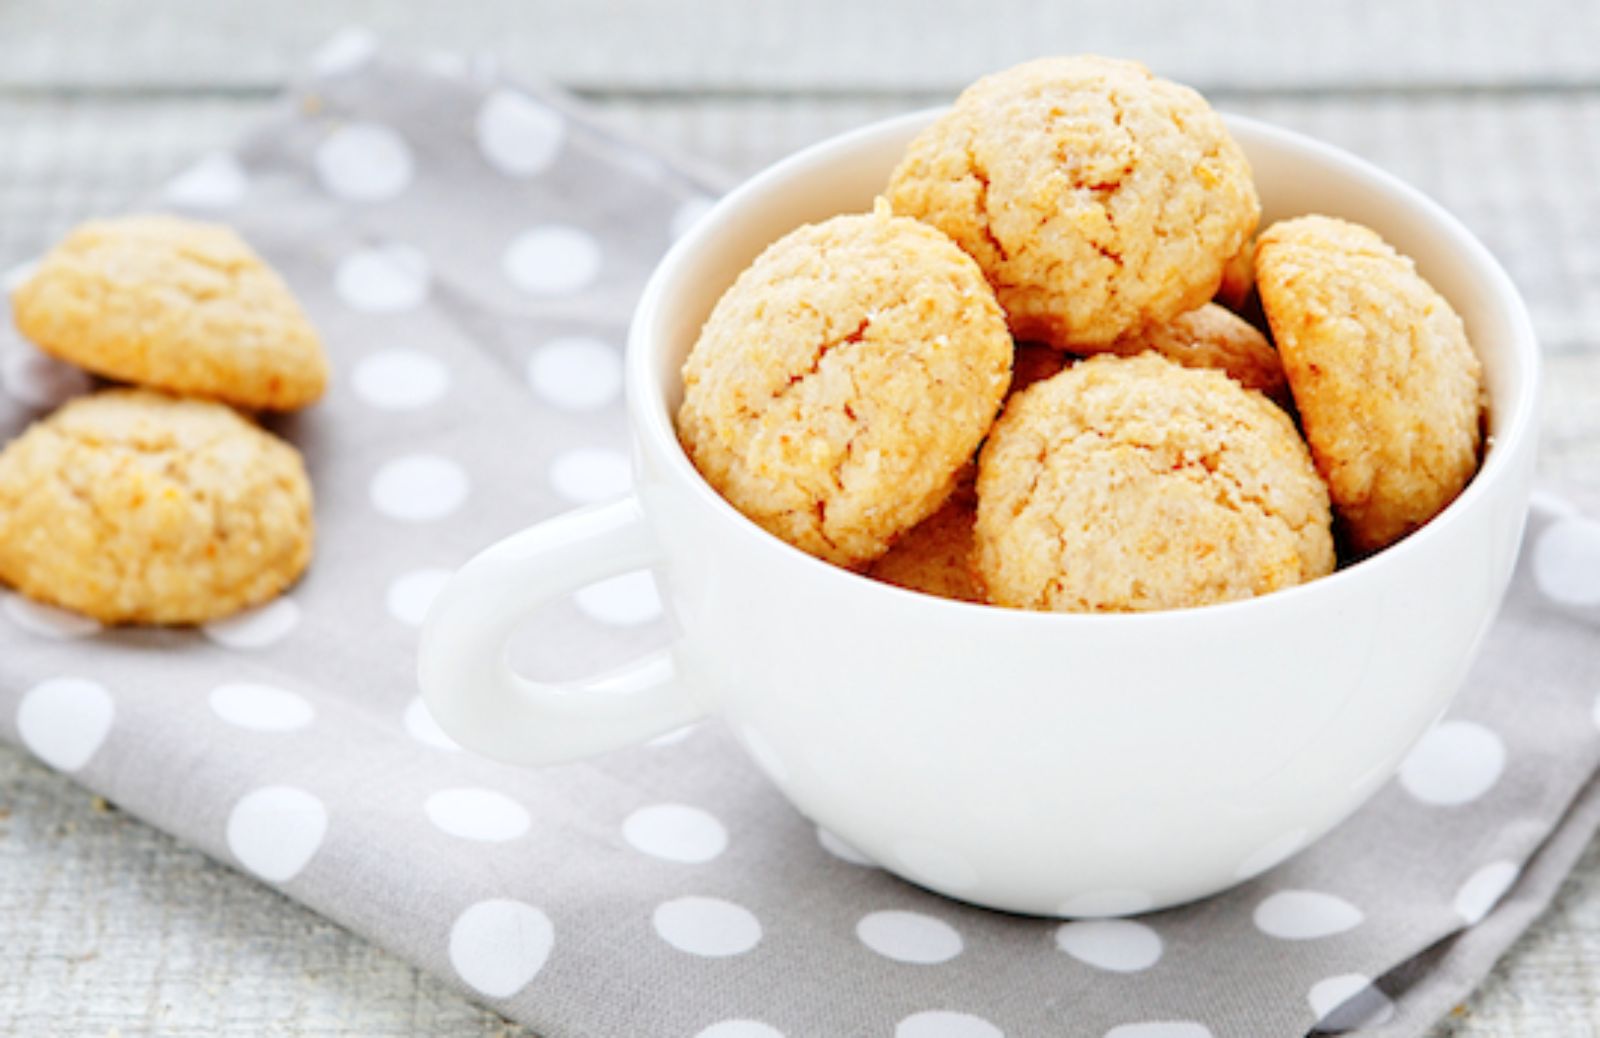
[(1071, 248), (161, 504)]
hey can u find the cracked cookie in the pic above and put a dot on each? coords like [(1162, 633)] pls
[(1213, 337), (134, 507), (1388, 388), (177, 305), (1096, 197), (1128, 484), (843, 380)]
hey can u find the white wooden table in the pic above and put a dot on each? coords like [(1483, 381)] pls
[(106, 926)]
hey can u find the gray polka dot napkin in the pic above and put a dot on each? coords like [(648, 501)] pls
[(471, 250)]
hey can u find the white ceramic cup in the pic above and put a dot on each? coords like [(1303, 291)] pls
[(1051, 764)]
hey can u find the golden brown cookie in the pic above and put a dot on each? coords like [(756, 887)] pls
[(1389, 390), (1096, 197), (935, 556), (843, 380), (134, 507), (1132, 483), (1212, 337), (177, 305)]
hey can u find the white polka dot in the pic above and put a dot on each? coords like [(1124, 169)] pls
[(345, 52), (255, 628), (273, 832), (518, 135), (589, 474), (1119, 945), (740, 1029), (1271, 854), (421, 726), (39, 381), (1484, 889), (675, 832), (261, 708), (1566, 561), (576, 373), (1303, 915), (383, 279), (675, 736), (46, 621), (1456, 762), (400, 380), (689, 212), (419, 488), (412, 594), (1161, 1029), (64, 721), (477, 814), (14, 278), (624, 601), (498, 946), (841, 850), (1349, 1003), (909, 937), (215, 182), (934, 864), (707, 926), (552, 261), (1106, 902), (364, 162), (943, 1023)]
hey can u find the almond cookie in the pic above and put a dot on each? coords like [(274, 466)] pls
[(1127, 484), (935, 556), (843, 380), (134, 507), (1389, 390), (1212, 337), (177, 305), (1096, 197)]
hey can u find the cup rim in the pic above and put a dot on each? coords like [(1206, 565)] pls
[(654, 430)]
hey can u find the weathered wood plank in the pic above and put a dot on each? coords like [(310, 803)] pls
[(821, 45)]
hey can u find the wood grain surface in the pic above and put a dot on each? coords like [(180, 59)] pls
[(107, 926)]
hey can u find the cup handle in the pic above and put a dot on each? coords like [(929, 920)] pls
[(463, 666)]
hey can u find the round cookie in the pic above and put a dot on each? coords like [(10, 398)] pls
[(1213, 337), (134, 507), (1127, 484), (177, 305), (935, 556), (1097, 197), (843, 380), (1388, 388)]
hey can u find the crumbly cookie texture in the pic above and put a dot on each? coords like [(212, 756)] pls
[(1388, 388), (935, 556), (1097, 197), (134, 507), (176, 305), (843, 380), (1213, 337), (1127, 484)]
